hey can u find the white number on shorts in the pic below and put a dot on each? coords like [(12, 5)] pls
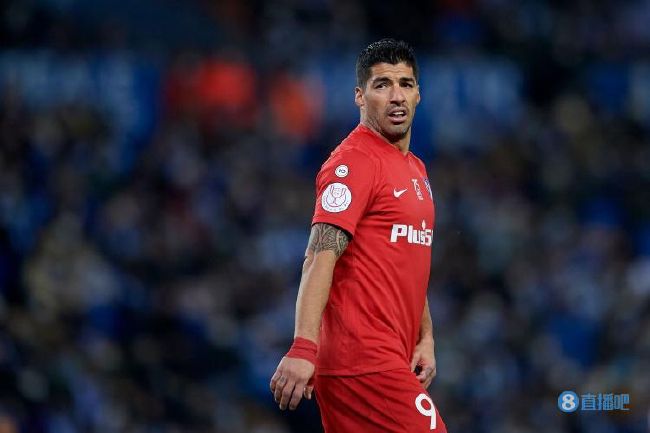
[(426, 412)]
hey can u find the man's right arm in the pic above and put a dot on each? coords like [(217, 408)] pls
[(326, 244)]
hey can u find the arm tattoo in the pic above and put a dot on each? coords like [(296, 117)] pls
[(327, 237)]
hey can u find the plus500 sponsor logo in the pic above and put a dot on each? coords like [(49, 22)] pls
[(412, 234)]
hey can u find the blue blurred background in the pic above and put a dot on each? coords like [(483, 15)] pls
[(157, 170)]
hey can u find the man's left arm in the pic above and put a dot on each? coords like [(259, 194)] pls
[(423, 355)]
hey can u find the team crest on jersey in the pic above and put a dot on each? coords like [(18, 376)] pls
[(336, 197), (428, 187), (418, 191)]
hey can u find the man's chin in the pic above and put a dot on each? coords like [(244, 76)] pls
[(396, 132)]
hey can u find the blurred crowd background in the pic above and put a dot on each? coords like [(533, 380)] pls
[(157, 164)]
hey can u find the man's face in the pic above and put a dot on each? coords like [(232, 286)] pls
[(389, 99)]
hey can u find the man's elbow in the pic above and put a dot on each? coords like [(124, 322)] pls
[(306, 264), (321, 261)]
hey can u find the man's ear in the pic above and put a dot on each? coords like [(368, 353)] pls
[(417, 101), (358, 97)]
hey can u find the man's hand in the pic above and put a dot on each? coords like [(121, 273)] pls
[(424, 358), (291, 380)]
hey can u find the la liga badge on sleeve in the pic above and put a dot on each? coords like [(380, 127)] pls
[(341, 171), (336, 197)]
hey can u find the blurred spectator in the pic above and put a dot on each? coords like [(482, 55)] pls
[(296, 104)]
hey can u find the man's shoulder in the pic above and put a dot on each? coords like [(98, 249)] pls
[(345, 159), (350, 159), (354, 148), (358, 144)]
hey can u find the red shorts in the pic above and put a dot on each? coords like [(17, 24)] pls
[(386, 402)]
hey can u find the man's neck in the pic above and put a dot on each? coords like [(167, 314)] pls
[(402, 144)]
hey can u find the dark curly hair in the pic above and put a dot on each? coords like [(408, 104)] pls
[(384, 51)]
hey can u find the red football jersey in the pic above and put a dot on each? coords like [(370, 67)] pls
[(382, 198)]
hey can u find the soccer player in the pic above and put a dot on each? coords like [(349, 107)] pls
[(363, 334)]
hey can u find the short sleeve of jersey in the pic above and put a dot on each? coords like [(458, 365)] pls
[(344, 189)]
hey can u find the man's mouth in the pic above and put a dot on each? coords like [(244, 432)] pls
[(397, 115)]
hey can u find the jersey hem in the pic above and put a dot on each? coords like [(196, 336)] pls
[(360, 371)]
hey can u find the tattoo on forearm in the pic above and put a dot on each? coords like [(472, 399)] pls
[(327, 237)]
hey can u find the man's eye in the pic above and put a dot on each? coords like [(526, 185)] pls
[(380, 85), (409, 85)]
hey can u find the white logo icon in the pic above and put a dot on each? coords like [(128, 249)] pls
[(341, 170), (336, 197), (397, 193), (412, 235), (426, 412)]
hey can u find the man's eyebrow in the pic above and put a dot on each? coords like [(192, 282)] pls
[(382, 78)]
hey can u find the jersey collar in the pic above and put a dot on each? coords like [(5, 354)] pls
[(378, 138)]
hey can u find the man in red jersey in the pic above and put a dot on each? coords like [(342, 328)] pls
[(363, 336)]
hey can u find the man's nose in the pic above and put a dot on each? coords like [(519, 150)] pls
[(397, 94)]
